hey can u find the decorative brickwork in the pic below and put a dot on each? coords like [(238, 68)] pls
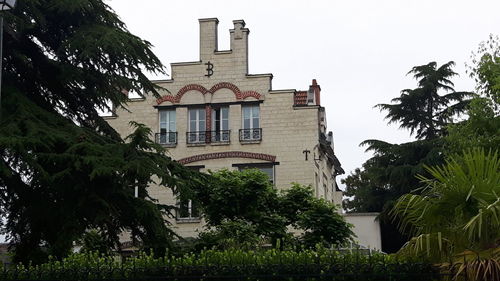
[(227, 154), (226, 85), (195, 87), (247, 94), (208, 113), (190, 87), (166, 98)]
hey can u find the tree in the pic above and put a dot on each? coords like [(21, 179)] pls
[(457, 212), (390, 173), (481, 129), (63, 169), (392, 170), (485, 69), (318, 220), (423, 110), (322, 224), (241, 207), (364, 194), (247, 195)]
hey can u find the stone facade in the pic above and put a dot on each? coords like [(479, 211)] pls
[(213, 126)]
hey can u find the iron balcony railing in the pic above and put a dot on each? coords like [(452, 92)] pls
[(197, 137), (254, 134), (169, 138), (222, 136)]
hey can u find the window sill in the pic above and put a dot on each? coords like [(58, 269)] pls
[(220, 143), (250, 141), (187, 220), (196, 144), (168, 144)]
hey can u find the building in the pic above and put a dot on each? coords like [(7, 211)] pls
[(366, 227), (216, 115)]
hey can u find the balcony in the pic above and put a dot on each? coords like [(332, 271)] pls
[(203, 137), (197, 137), (222, 136), (253, 135), (166, 138)]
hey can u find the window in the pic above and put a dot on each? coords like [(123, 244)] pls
[(187, 208), (168, 134), (220, 124), (251, 123), (268, 169), (197, 126)]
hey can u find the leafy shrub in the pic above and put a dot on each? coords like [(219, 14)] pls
[(271, 264)]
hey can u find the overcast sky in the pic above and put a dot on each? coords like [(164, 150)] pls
[(359, 51)]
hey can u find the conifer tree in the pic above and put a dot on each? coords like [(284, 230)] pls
[(426, 111), (63, 169), (423, 110)]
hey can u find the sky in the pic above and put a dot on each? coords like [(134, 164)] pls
[(359, 51)]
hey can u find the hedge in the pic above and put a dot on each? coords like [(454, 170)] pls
[(319, 264)]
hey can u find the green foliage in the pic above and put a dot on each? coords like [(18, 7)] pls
[(318, 219), (93, 241), (423, 110), (322, 223), (481, 129), (460, 205), (233, 234), (243, 209), (390, 173), (392, 170), (485, 69), (245, 195), (456, 216), (63, 169), (271, 264), (363, 193)]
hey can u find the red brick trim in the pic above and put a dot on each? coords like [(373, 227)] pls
[(166, 98), (227, 154), (190, 87), (208, 124), (247, 94), (226, 85), (222, 85)]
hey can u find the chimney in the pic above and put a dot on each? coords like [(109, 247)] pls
[(208, 37), (239, 42), (317, 90)]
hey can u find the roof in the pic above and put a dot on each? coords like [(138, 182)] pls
[(332, 158), (300, 98)]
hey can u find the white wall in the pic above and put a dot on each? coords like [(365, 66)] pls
[(366, 228)]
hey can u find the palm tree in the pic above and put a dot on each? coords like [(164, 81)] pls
[(457, 214), (423, 110)]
